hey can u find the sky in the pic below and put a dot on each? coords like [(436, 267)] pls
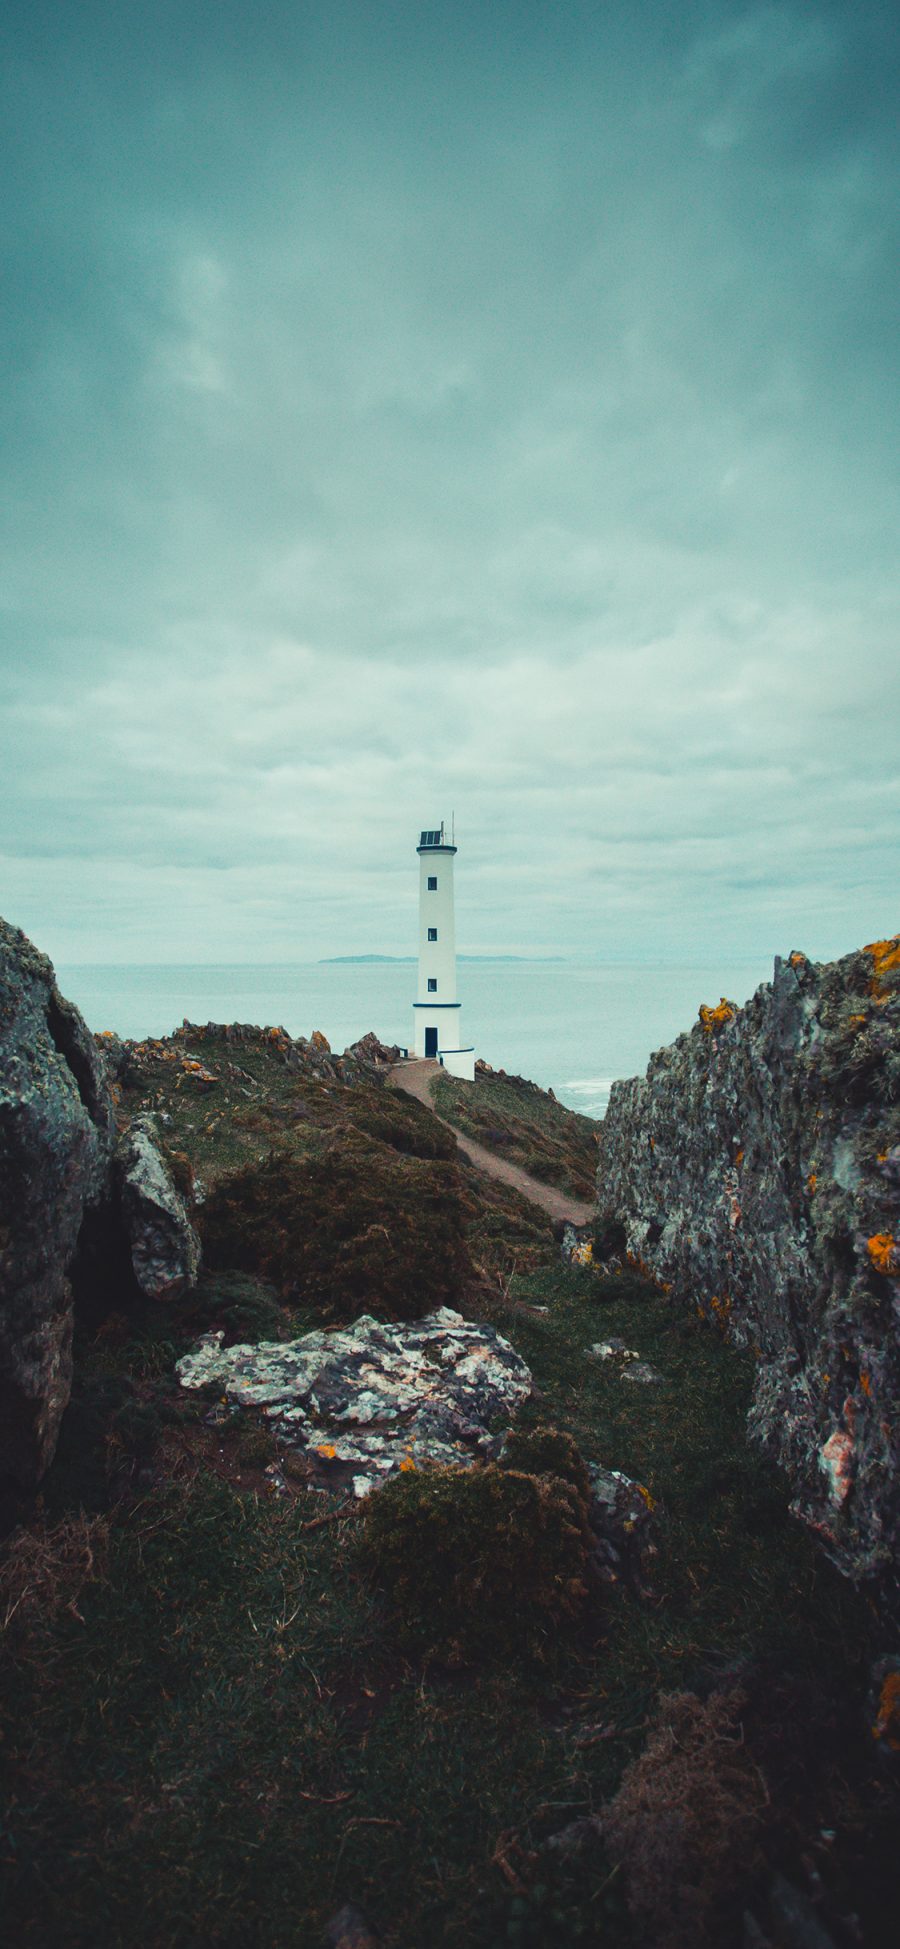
[(416, 409)]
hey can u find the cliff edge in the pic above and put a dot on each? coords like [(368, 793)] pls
[(756, 1170)]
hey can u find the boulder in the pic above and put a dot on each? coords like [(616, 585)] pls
[(756, 1170), (56, 1139), (165, 1249), (374, 1397)]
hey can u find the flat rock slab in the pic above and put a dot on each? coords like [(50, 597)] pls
[(372, 1397)]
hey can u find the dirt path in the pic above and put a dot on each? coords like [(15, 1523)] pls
[(416, 1079)]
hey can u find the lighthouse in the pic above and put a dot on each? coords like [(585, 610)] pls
[(437, 1009)]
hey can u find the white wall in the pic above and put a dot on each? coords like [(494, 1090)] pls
[(440, 1008), (460, 1063), (437, 959)]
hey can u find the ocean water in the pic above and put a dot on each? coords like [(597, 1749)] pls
[(569, 1026)]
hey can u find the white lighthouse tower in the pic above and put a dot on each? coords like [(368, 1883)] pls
[(437, 1010)]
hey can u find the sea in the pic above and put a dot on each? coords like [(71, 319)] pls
[(572, 1027)]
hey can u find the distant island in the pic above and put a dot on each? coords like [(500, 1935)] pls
[(358, 960)]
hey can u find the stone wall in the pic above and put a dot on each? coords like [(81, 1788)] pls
[(756, 1169)]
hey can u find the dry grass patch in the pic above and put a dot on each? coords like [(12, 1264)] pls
[(45, 1570), (684, 1822)]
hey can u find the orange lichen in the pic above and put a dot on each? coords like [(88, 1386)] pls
[(715, 1018), (886, 959), (407, 1464), (720, 1309), (887, 1724), (811, 1181), (328, 1452), (884, 1253), (796, 959), (739, 1159), (865, 1383)]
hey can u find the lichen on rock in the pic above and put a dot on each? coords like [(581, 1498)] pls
[(756, 1169), (363, 1401), (56, 1134), (165, 1249)]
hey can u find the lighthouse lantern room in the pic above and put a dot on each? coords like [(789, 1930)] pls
[(437, 1008)]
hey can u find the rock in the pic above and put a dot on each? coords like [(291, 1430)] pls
[(884, 1708), (165, 1249), (633, 1367), (795, 1918), (622, 1520), (372, 1054), (114, 1052), (366, 1400), (56, 1136), (577, 1243), (756, 1170), (349, 1929), (642, 1372)]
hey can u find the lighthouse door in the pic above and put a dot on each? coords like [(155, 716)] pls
[(430, 1042)]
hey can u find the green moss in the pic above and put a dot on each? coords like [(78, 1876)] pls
[(245, 1308), (548, 1451), (357, 1230), (485, 1559)]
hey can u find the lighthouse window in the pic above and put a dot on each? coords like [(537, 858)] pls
[(432, 883), (432, 987), (432, 933)]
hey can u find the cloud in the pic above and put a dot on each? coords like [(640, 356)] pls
[(408, 418)]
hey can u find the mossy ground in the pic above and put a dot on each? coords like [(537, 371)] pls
[(526, 1125), (224, 1735), (361, 1228)]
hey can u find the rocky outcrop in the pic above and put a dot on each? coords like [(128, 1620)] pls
[(756, 1169), (372, 1054), (56, 1136), (165, 1249)]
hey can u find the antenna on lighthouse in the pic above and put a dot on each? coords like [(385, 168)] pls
[(453, 828)]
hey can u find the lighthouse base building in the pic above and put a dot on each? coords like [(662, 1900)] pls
[(437, 1009)]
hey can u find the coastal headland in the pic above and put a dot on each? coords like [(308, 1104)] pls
[(386, 1556)]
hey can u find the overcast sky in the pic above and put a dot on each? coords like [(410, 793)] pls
[(421, 407)]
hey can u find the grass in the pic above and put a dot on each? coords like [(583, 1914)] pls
[(527, 1126), (214, 1728)]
